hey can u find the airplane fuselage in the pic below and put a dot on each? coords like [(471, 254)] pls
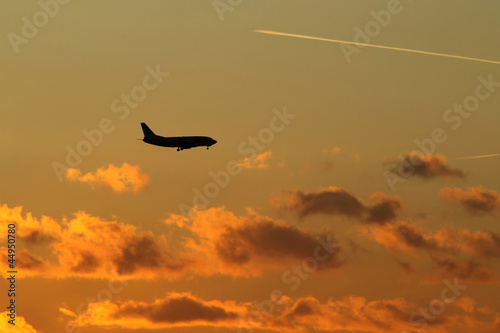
[(181, 142)]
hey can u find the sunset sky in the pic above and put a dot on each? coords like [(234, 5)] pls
[(337, 197)]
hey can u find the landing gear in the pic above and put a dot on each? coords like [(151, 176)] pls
[(207, 147), (179, 149)]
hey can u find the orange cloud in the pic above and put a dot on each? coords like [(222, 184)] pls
[(477, 200), (306, 314), (261, 161), (329, 154), (480, 243), (88, 246), (92, 246), (21, 326), (351, 313), (445, 248), (28, 228), (218, 242), (401, 236), (356, 314), (469, 271), (337, 201), (246, 245), (126, 178), (174, 310)]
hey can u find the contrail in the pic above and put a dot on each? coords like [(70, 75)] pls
[(480, 156), (375, 46)]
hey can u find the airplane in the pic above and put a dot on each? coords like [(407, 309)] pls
[(179, 142)]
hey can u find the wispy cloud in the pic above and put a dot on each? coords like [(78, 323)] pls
[(469, 270), (329, 154), (476, 200), (460, 253), (403, 236), (260, 161)]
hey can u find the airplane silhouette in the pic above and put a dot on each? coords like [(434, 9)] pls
[(179, 142)]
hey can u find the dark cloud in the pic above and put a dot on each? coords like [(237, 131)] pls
[(337, 201), (37, 236), (232, 250), (385, 208), (355, 248), (307, 306), (415, 238), (143, 252), (424, 166), (87, 264), (25, 260), (176, 309), (265, 239), (332, 201), (405, 266)]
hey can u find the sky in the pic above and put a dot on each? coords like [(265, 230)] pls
[(336, 198)]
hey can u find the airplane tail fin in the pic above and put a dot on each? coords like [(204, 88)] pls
[(147, 131)]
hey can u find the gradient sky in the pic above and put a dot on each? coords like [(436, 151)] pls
[(113, 224)]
